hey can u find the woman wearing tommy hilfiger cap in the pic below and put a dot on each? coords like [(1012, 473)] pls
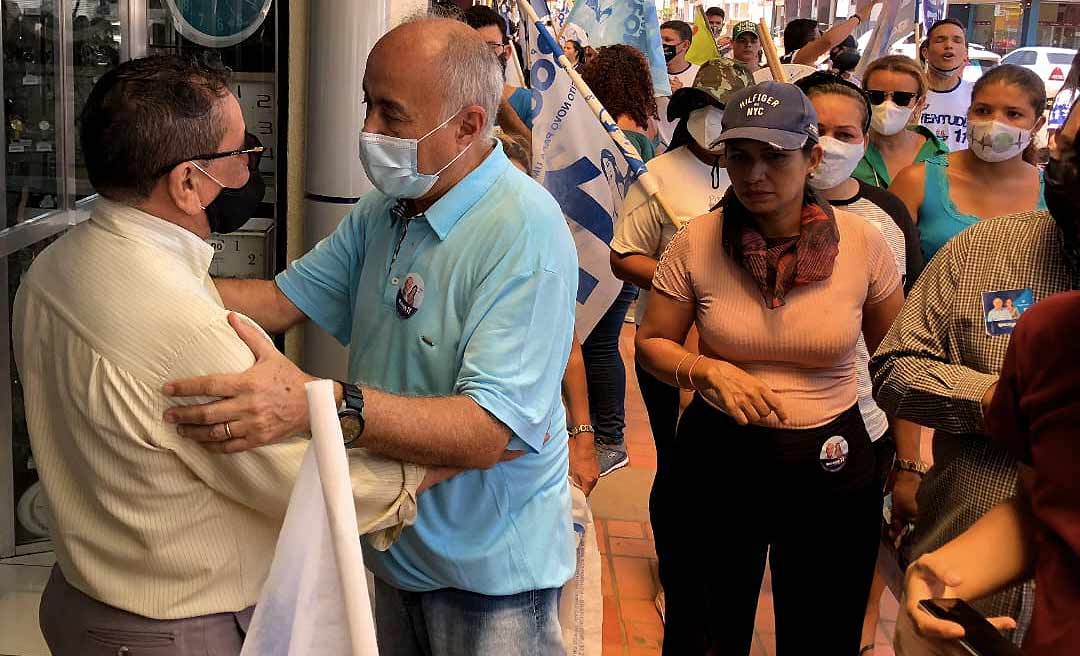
[(772, 456)]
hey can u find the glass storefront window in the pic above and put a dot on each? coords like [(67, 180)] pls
[(1059, 25), (998, 27), (53, 53)]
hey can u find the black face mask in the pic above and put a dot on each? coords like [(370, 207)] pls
[(845, 60), (233, 207), (1063, 200), (670, 52)]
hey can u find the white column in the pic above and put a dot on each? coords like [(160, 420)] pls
[(341, 36)]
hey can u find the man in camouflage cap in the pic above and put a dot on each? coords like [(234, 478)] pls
[(715, 81), (746, 45)]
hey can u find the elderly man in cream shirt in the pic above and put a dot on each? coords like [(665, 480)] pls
[(161, 544)]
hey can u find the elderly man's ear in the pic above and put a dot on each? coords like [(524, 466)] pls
[(472, 123)]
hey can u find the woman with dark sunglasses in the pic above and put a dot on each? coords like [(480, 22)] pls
[(896, 87)]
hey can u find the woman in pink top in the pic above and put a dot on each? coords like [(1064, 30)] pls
[(773, 448)]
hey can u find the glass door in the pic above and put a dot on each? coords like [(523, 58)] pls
[(53, 52)]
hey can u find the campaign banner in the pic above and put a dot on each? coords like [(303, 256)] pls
[(577, 160)]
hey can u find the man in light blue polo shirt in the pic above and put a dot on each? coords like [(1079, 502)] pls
[(455, 291)]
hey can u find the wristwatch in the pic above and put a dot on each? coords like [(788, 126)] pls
[(915, 466), (577, 430), (351, 413)]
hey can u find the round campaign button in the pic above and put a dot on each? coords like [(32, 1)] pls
[(834, 454), (410, 295)]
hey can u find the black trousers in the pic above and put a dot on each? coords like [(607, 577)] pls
[(662, 406), (726, 497)]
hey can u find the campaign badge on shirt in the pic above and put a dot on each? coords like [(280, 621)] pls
[(834, 454), (410, 295), (1003, 308)]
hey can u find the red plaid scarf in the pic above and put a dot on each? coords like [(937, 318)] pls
[(781, 265)]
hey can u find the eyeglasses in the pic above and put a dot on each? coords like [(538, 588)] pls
[(496, 48), (901, 98), (253, 148)]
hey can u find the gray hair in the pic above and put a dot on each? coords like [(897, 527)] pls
[(473, 74), (473, 77)]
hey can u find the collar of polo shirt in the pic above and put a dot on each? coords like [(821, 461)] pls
[(459, 199)]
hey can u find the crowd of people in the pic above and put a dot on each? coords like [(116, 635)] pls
[(845, 262)]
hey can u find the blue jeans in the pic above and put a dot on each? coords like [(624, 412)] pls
[(605, 372), (453, 622)]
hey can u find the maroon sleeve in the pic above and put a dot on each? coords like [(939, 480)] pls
[(1005, 420)]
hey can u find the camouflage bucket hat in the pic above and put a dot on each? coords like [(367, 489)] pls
[(714, 83)]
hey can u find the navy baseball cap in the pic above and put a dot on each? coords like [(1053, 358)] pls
[(776, 113)]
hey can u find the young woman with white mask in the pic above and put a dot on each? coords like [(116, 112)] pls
[(844, 116), (990, 178), (896, 87)]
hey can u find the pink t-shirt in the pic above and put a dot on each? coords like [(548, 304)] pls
[(804, 350)]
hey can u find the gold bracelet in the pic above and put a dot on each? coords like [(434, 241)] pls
[(679, 366), (690, 373)]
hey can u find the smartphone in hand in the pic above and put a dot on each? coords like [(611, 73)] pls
[(980, 637)]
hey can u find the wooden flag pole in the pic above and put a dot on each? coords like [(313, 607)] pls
[(771, 56)]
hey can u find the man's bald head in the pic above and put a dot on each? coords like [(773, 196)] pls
[(448, 60)]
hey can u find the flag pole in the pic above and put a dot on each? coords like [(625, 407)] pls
[(333, 471), (771, 56), (633, 157)]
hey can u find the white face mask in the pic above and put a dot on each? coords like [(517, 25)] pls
[(391, 164), (991, 141), (888, 118), (704, 126), (837, 165)]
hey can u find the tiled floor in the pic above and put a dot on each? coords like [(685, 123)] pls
[(21, 581), (632, 626)]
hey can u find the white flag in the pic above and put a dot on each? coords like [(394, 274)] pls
[(896, 20), (315, 600)]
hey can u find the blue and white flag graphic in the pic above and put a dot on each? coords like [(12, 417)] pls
[(633, 22), (930, 12), (576, 160)]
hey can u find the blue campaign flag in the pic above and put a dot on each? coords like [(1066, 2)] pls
[(576, 160), (633, 22), (930, 12)]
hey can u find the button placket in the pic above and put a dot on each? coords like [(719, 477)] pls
[(411, 241)]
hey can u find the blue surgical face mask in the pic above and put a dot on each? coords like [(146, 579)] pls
[(391, 163)]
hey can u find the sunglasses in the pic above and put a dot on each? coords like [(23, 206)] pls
[(901, 98), (253, 148)]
